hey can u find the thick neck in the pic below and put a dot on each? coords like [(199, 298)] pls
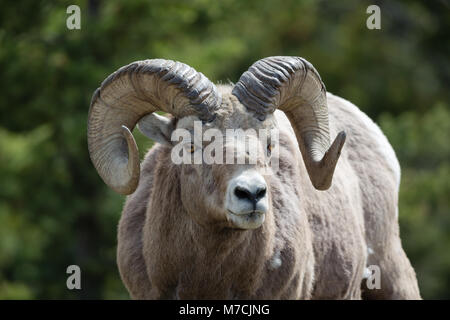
[(226, 262), (192, 261)]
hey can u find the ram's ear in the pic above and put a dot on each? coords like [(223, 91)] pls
[(157, 128)]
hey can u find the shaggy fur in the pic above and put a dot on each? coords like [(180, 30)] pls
[(174, 244)]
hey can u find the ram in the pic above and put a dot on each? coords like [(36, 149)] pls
[(308, 229)]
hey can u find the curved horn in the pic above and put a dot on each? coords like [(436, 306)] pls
[(126, 96), (294, 86)]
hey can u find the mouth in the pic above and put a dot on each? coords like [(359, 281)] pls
[(247, 220)]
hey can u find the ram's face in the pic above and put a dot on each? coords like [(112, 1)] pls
[(225, 176)]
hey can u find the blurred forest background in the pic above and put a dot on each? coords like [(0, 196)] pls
[(54, 209)]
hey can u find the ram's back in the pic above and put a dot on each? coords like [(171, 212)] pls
[(375, 164)]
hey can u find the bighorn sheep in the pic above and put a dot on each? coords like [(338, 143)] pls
[(236, 231)]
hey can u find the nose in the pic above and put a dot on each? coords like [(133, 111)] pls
[(247, 200), (251, 194), (248, 190)]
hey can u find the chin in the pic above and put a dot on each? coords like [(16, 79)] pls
[(246, 221)]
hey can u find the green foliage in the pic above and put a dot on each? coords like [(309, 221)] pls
[(54, 209)]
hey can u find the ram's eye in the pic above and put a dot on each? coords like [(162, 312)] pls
[(192, 148), (269, 148)]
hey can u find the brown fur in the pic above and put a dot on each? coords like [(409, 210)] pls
[(174, 243)]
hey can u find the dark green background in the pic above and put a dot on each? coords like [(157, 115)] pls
[(54, 209)]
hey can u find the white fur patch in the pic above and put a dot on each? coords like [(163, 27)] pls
[(276, 262), (366, 273)]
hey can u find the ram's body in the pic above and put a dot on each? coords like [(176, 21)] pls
[(313, 244), (315, 226)]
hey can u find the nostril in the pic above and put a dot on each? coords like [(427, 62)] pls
[(242, 193), (245, 194), (260, 193)]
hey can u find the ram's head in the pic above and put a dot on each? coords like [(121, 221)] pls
[(238, 194)]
